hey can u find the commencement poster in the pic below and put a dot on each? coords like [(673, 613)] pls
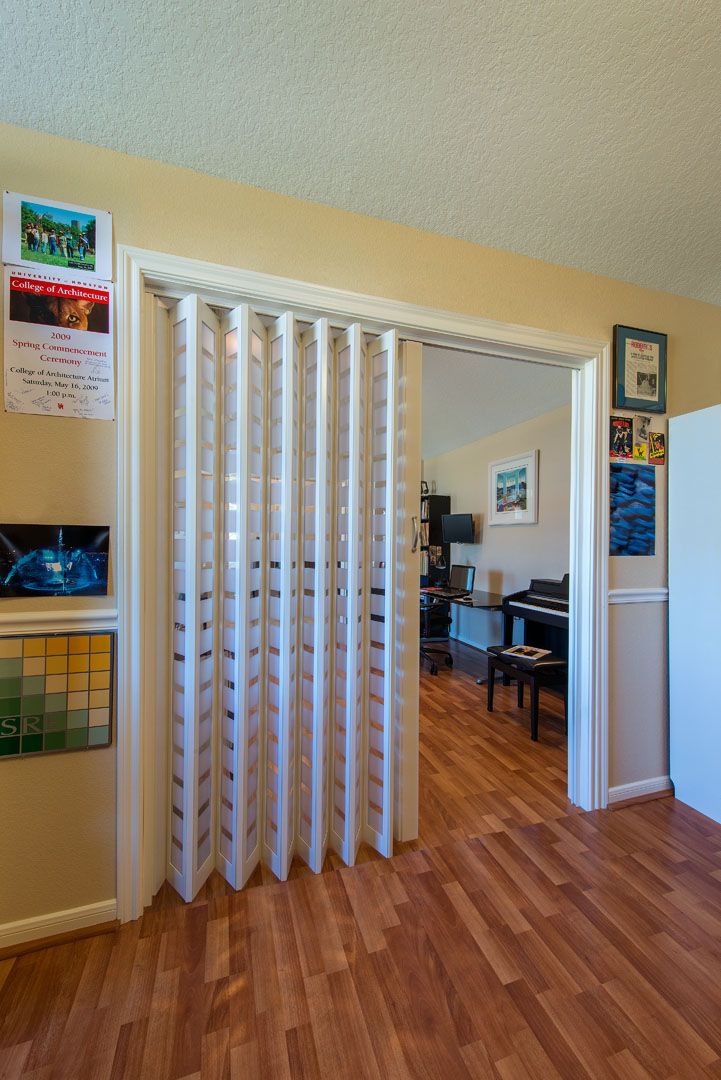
[(58, 345)]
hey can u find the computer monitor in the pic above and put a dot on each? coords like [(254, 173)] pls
[(462, 578), (457, 528)]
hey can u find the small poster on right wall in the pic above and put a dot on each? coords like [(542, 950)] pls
[(633, 509), (656, 448), (621, 437)]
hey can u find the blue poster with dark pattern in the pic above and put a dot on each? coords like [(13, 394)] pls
[(633, 509)]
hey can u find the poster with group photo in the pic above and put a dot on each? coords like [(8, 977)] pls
[(58, 345), (74, 242)]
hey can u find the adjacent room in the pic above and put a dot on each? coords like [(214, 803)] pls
[(494, 540)]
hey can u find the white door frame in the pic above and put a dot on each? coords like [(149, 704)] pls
[(140, 270)]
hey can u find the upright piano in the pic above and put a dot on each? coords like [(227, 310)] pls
[(544, 610)]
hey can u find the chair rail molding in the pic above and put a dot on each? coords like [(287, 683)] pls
[(657, 594), (57, 622), (139, 273)]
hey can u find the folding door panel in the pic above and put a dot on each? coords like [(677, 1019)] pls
[(195, 336), (283, 584), (243, 595), (381, 591), (316, 593), (349, 563), (406, 628)]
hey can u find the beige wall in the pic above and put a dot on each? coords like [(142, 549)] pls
[(66, 468), (638, 692), (507, 557)]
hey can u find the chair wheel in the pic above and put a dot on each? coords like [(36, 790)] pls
[(434, 669), (449, 661)]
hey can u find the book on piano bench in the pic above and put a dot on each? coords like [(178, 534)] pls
[(527, 654)]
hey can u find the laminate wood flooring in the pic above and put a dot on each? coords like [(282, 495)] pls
[(480, 773), (519, 940)]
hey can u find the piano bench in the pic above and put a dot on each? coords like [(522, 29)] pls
[(550, 672)]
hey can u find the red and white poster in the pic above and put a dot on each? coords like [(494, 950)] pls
[(58, 345)]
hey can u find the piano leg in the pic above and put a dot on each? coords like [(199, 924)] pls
[(534, 710), (507, 640), (490, 685)]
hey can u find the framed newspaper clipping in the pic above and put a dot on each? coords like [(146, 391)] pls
[(639, 369)]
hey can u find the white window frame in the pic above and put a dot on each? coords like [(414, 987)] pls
[(138, 689)]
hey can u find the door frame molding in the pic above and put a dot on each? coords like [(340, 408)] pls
[(589, 360)]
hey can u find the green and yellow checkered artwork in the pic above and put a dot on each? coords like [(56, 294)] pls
[(56, 693)]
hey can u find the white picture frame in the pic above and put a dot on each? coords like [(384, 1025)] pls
[(513, 490)]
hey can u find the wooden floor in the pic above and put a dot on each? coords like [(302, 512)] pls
[(479, 772), (519, 940)]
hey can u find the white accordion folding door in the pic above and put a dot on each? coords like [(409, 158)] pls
[(285, 559), (195, 344)]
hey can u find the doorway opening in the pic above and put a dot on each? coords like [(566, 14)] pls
[(143, 275), (495, 554)]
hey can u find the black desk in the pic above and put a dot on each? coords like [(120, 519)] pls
[(484, 601), (487, 600)]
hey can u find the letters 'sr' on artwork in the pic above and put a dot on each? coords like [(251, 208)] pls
[(56, 693)]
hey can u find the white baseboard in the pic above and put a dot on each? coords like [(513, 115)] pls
[(653, 786), (57, 922)]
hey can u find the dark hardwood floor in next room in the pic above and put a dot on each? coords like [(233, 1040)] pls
[(522, 941)]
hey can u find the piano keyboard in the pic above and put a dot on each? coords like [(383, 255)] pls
[(546, 607), (543, 609)]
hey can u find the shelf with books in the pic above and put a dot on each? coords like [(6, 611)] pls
[(434, 553)]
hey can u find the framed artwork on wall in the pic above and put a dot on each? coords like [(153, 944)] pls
[(54, 560), (639, 369), (513, 490), (56, 693)]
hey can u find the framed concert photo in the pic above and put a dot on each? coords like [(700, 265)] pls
[(639, 369)]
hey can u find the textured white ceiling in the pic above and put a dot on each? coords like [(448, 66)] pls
[(579, 132), (467, 396)]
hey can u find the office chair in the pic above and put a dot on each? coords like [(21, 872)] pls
[(431, 622)]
